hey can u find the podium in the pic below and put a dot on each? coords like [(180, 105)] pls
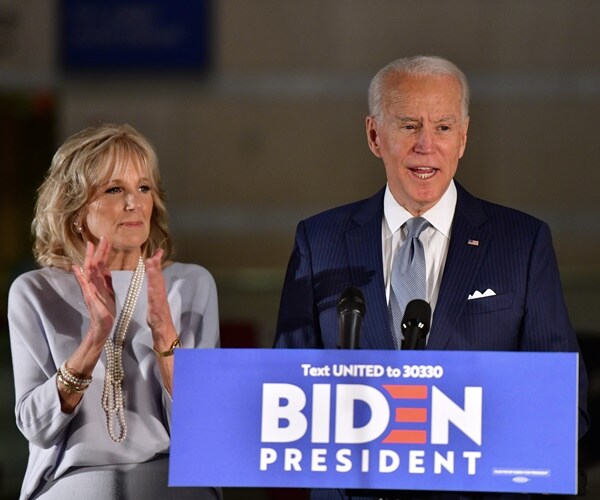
[(375, 420)]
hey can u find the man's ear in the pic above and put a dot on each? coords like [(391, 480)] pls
[(463, 142), (372, 136)]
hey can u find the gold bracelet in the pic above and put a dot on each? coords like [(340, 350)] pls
[(166, 354)]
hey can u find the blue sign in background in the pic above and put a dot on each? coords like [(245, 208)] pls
[(529, 421), (135, 35)]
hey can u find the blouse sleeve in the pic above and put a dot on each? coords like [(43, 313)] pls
[(38, 411), (198, 322)]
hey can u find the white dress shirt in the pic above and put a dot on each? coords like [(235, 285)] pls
[(435, 238)]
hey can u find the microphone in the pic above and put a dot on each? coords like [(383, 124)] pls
[(415, 324), (351, 309)]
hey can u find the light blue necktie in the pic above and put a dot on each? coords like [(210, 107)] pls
[(408, 279)]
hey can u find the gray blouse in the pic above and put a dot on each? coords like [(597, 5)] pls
[(48, 320)]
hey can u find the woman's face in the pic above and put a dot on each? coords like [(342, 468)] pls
[(121, 212)]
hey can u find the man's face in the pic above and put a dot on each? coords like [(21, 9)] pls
[(420, 136)]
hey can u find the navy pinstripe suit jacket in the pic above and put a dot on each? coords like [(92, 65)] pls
[(515, 257)]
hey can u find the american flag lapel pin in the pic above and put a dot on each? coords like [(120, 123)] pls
[(473, 243)]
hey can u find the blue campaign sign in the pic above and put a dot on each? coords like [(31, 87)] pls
[(354, 419)]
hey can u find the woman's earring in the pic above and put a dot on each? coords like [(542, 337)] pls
[(78, 227)]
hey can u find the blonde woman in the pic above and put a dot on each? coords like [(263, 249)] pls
[(94, 329)]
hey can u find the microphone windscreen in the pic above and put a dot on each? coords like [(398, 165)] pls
[(418, 311), (352, 299)]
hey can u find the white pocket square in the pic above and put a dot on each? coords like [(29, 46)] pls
[(478, 295)]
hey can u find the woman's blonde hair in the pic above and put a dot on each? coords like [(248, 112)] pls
[(79, 167)]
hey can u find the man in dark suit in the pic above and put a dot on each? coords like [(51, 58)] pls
[(492, 278)]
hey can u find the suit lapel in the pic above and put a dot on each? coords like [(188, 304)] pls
[(363, 244), (469, 243)]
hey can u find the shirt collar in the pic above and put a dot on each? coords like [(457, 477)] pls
[(439, 216)]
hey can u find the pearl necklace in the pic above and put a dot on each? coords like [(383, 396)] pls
[(112, 394)]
